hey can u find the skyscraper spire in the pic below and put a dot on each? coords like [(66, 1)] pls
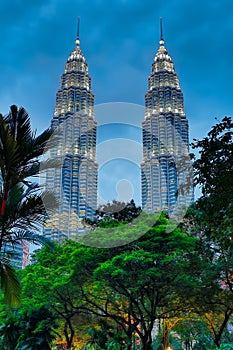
[(77, 37), (161, 32), (161, 28)]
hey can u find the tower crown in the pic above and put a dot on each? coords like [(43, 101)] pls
[(76, 54), (162, 60)]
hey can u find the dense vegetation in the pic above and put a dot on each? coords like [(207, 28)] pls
[(166, 289)]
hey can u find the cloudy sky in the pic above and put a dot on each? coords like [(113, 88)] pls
[(119, 39)]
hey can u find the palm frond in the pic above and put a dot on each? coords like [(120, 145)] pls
[(32, 237), (26, 210), (43, 140), (33, 168), (9, 155), (50, 201), (22, 210), (50, 163), (37, 146), (19, 122), (9, 282), (20, 149)]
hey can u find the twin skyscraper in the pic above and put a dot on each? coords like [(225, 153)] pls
[(165, 145)]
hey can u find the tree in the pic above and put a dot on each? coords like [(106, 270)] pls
[(22, 207), (210, 218), (163, 276), (134, 299), (214, 302), (194, 334), (211, 299), (213, 171), (52, 275), (116, 212)]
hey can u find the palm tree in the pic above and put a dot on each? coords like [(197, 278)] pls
[(22, 203)]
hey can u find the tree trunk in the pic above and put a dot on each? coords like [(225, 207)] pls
[(165, 341), (218, 335), (188, 345), (217, 342), (129, 333), (147, 341), (69, 335), (148, 345), (129, 346)]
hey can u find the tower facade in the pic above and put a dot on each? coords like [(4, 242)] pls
[(165, 139), (74, 182)]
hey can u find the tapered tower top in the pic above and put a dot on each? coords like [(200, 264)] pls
[(161, 31), (77, 41), (161, 41), (76, 55), (162, 55)]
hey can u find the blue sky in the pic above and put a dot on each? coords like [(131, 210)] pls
[(119, 39)]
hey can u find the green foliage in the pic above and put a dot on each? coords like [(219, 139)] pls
[(33, 329), (210, 219), (194, 333), (213, 169), (226, 346), (10, 331), (38, 330), (59, 277), (160, 275), (116, 212), (116, 235), (214, 172), (10, 284), (105, 337), (77, 280)]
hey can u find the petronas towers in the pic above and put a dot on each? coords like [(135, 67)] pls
[(165, 142)]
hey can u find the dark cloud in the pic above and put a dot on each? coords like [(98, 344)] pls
[(119, 39)]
